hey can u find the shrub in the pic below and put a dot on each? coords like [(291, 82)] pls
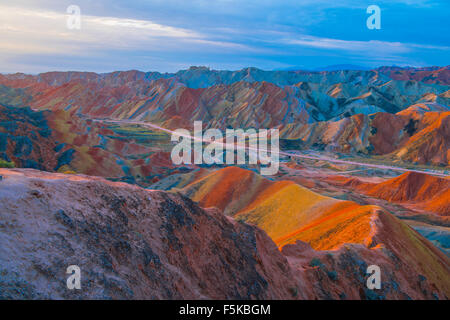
[(315, 262), (332, 275), (7, 164)]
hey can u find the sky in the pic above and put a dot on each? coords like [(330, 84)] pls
[(170, 35)]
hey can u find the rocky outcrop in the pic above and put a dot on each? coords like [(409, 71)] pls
[(132, 243)]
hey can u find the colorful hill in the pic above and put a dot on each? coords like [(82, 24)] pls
[(415, 190), (347, 111), (412, 136), (286, 211), (150, 244), (244, 98), (64, 142), (423, 191), (290, 213), (27, 140), (130, 243), (405, 258), (438, 75), (239, 189), (125, 153), (143, 244)]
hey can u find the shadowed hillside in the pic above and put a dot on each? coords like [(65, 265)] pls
[(132, 243)]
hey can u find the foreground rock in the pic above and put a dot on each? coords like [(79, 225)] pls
[(132, 243)]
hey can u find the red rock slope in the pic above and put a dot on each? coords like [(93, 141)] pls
[(424, 191), (133, 243), (130, 243), (409, 135), (290, 213)]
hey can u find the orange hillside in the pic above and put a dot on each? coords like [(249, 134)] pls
[(425, 191), (286, 211)]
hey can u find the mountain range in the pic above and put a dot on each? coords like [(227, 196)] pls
[(363, 180)]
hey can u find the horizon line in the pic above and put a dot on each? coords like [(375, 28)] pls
[(193, 67)]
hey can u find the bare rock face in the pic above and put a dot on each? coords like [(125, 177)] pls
[(134, 243), (130, 243)]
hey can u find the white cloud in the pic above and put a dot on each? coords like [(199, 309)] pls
[(149, 27), (348, 45), (25, 31), (264, 33), (370, 46)]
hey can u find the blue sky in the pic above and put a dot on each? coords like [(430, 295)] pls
[(168, 35)]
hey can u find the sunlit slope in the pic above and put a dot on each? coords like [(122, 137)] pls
[(286, 211), (242, 99), (235, 191), (230, 189), (127, 232), (430, 143), (424, 191), (345, 222)]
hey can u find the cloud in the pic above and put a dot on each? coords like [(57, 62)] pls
[(149, 27), (36, 31), (348, 45), (370, 46), (162, 35)]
